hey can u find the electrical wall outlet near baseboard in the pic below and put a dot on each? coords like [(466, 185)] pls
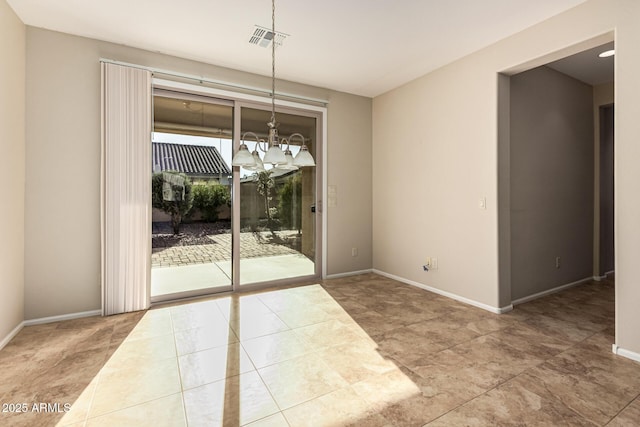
[(431, 263)]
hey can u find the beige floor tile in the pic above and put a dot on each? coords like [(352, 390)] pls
[(275, 348), (313, 292), (330, 333), (236, 306), (252, 325), (589, 399), (70, 374), (203, 338), (303, 316), (512, 405), (374, 323), (275, 420), (386, 389), (166, 411), (599, 342), (567, 331), (144, 349), (445, 332), (234, 401), (356, 362), (338, 408), (120, 387), (449, 374), (615, 373), (530, 341), (335, 311), (214, 364), (408, 345), (418, 410), (492, 324), (549, 362), (404, 398), (154, 323), (282, 300), (197, 314), (351, 306), (298, 380), (491, 353), (629, 417), (80, 408)]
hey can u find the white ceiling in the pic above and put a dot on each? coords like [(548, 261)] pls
[(365, 47)]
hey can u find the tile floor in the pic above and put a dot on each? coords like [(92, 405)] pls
[(363, 350)]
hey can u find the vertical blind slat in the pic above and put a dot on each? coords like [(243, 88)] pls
[(126, 172)]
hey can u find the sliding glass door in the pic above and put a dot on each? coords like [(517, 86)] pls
[(278, 206), (216, 228), (191, 195)]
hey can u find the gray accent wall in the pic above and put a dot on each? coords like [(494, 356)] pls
[(606, 198), (552, 181)]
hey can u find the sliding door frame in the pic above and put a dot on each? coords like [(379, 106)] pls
[(243, 100), (319, 223), (187, 96)]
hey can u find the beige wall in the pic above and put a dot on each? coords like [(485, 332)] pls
[(434, 159), (349, 160), (63, 165), (12, 172), (551, 164), (446, 123)]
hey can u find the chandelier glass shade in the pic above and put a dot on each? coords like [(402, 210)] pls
[(280, 159)]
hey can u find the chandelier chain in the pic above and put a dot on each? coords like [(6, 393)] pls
[(273, 62), (274, 155)]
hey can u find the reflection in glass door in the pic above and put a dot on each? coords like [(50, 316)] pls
[(191, 196), (277, 206)]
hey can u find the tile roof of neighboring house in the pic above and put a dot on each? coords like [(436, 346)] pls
[(190, 159)]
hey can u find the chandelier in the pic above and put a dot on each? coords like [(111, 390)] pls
[(274, 155)]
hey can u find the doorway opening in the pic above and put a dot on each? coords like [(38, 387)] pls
[(556, 175)]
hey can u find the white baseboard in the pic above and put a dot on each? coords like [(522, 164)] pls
[(62, 317), (347, 274), (625, 353), (12, 334), (496, 310), (606, 275), (502, 310), (551, 291)]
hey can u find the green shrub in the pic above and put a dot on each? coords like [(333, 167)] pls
[(172, 193), (208, 198)]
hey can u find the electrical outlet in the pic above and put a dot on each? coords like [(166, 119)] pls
[(434, 263), (557, 262), (428, 262), (354, 251)]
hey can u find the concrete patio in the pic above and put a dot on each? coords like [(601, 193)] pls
[(187, 268)]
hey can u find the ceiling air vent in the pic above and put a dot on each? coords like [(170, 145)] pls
[(262, 37)]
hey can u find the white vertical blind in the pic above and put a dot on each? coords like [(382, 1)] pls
[(125, 188)]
